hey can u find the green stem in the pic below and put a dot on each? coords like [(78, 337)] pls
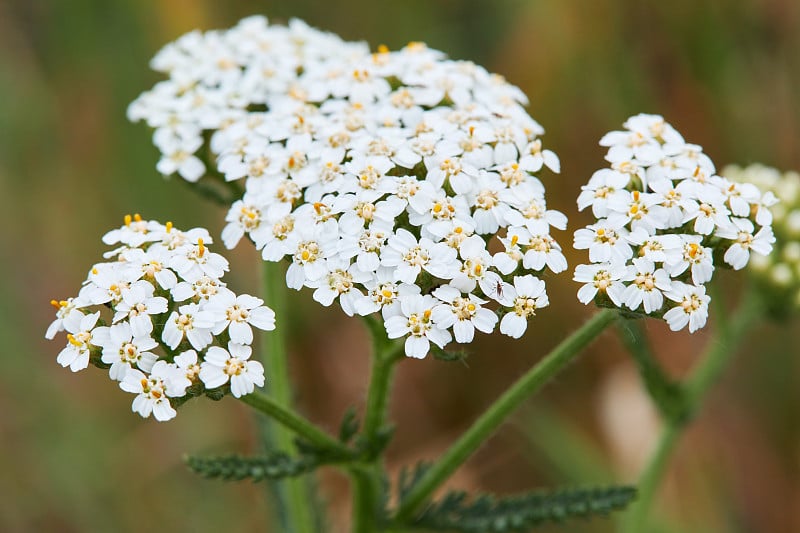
[(494, 416), (294, 494), (294, 422), (666, 394), (722, 347), (366, 497), (385, 354), (366, 478)]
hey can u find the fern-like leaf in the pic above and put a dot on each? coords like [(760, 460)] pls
[(409, 477), (457, 511), (276, 465)]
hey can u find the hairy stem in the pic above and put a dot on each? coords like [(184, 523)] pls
[(494, 416), (385, 354), (294, 423), (722, 347), (366, 478), (294, 494)]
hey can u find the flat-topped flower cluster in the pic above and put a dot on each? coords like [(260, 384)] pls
[(158, 316), (779, 273), (662, 214), (395, 182)]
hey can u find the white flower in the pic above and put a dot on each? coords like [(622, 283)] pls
[(221, 366), (238, 314), (641, 210), (187, 372), (693, 255), (410, 257), (692, 308), (646, 287), (122, 350), (741, 231), (340, 282), (63, 309), (605, 242), (312, 245), (196, 261), (528, 296), (475, 266), (191, 323), (417, 322), (383, 294), (603, 185), (544, 250), (135, 232), (151, 392), (203, 288), (464, 315), (81, 336), (710, 213), (601, 278), (137, 304), (178, 157), (152, 265)]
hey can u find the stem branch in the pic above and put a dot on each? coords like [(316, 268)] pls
[(494, 416), (722, 347)]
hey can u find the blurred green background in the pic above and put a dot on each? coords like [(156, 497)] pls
[(73, 457)]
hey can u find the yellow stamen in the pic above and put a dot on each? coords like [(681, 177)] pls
[(514, 240), (169, 226), (137, 217), (127, 220), (427, 314), (201, 249), (383, 49), (72, 340), (694, 249)]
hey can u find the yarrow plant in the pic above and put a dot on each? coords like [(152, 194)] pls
[(662, 216), (406, 187), (159, 317), (383, 178)]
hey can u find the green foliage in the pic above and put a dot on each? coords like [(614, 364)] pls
[(457, 511), (273, 465), (276, 465), (349, 426), (409, 477), (443, 355)]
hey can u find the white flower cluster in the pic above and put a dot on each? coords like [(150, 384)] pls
[(383, 178), (175, 329), (662, 213), (780, 271)]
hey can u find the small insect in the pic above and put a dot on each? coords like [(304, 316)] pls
[(498, 290)]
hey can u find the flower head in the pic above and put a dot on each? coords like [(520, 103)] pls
[(369, 172), (662, 211), (166, 317)]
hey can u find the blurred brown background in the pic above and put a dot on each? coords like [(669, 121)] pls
[(73, 457)]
